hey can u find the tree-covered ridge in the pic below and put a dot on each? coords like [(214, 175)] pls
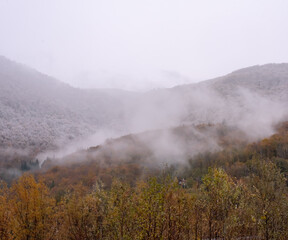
[(235, 193), (235, 158), (134, 157), (39, 113), (131, 159), (156, 208)]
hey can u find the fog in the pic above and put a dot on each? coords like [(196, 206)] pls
[(161, 51), (141, 45), (163, 124)]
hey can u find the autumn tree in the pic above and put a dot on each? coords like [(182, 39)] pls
[(269, 200), (83, 214), (220, 195), (177, 212), (150, 217), (5, 212), (32, 210), (121, 221)]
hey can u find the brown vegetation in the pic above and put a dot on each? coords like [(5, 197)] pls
[(236, 193)]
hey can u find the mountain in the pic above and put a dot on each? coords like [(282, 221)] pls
[(158, 147), (253, 98), (267, 80), (38, 112)]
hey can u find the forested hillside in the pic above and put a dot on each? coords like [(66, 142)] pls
[(143, 120), (239, 192), (39, 113), (201, 161)]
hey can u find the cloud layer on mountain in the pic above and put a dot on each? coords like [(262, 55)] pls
[(40, 113)]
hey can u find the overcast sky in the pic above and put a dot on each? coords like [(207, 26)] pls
[(142, 44)]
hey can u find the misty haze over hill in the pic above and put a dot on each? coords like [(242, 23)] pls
[(39, 113)]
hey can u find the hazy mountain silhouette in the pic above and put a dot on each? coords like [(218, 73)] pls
[(40, 112)]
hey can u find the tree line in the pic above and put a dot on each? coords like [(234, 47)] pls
[(220, 207)]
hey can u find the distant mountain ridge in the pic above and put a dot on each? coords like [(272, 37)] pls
[(268, 79), (39, 112)]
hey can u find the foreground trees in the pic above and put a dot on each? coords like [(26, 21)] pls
[(31, 209), (221, 197), (5, 214), (268, 201), (219, 208)]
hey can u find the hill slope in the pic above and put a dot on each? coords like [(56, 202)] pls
[(40, 113), (37, 110), (254, 99)]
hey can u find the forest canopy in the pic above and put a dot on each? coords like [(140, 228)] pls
[(235, 193)]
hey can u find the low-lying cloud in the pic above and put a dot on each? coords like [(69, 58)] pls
[(252, 113)]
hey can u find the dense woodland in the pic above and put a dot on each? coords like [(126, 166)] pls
[(239, 192)]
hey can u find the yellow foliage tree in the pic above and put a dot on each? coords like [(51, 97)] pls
[(31, 210)]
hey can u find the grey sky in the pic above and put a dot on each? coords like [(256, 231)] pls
[(142, 44)]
